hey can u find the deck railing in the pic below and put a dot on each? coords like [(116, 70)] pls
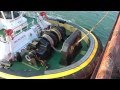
[(26, 28)]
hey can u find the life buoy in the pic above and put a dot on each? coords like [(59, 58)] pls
[(43, 14), (9, 32)]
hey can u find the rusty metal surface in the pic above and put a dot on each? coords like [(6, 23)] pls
[(111, 56)]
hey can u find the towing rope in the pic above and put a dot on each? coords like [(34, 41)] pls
[(92, 29)]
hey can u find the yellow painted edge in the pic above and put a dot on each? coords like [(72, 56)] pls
[(60, 74)]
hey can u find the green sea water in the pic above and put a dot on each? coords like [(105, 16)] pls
[(88, 19)]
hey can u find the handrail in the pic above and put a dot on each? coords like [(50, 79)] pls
[(33, 23)]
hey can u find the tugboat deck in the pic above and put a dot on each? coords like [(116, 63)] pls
[(53, 61)]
